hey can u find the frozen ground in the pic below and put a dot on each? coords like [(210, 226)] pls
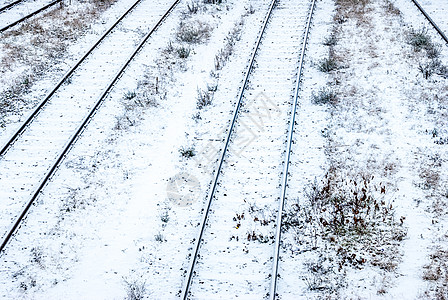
[(119, 216)]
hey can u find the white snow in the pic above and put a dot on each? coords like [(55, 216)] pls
[(118, 213)]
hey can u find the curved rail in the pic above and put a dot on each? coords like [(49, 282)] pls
[(30, 15), (431, 21), (36, 111), (198, 240), (284, 182), (6, 7), (82, 127)]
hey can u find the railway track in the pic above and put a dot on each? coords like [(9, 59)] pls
[(34, 153), (249, 177), (20, 11), (436, 14), (10, 5)]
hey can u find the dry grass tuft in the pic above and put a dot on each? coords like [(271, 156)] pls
[(352, 9), (436, 272)]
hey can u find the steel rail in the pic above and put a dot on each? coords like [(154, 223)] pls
[(284, 182), (36, 111), (186, 287), (10, 5), (82, 127), (431, 21), (30, 15)]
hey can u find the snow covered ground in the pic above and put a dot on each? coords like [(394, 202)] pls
[(19, 11), (118, 219)]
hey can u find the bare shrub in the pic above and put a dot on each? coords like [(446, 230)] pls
[(193, 32), (348, 207), (11, 100), (159, 238), (324, 96), (322, 275), (73, 200), (123, 122), (193, 7), (165, 216), (212, 87), (433, 51), (30, 283), (251, 10), (102, 4), (258, 236), (429, 68), (443, 71), (169, 49), (346, 215), (327, 65), (419, 39), (436, 272), (331, 40), (224, 54), (183, 52), (129, 95), (204, 99), (141, 100), (430, 175), (135, 289), (149, 92), (152, 89), (187, 152), (257, 221), (196, 117)]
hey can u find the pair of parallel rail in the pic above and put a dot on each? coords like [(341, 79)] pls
[(27, 124)]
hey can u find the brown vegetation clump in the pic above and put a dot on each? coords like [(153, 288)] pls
[(352, 9), (437, 273)]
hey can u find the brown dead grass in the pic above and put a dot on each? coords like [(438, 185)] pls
[(437, 273), (356, 10)]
